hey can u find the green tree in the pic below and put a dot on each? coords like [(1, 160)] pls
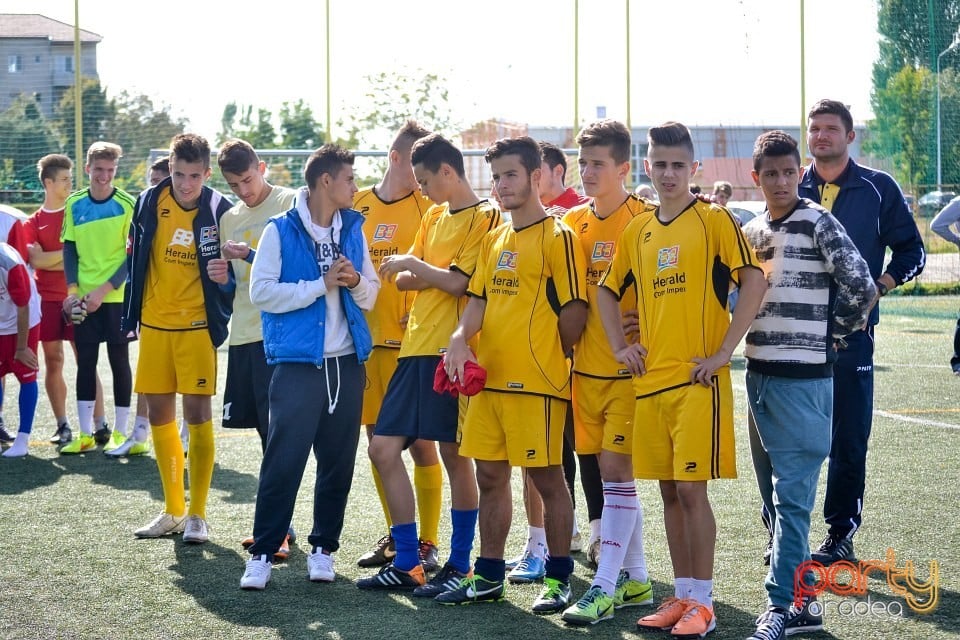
[(25, 136), (298, 128), (98, 113), (258, 132), (912, 35)]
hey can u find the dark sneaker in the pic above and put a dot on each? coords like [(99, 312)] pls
[(807, 619), (473, 589), (102, 435), (389, 578), (770, 625), (554, 598), (447, 579), (768, 552), (429, 556), (834, 549), (62, 435), (382, 553), (5, 436)]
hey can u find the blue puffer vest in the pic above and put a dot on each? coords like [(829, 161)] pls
[(297, 336)]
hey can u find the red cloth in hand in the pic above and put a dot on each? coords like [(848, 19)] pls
[(474, 378)]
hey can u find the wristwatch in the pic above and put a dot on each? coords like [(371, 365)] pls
[(882, 288)]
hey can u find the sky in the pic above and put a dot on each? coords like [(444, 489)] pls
[(716, 62)]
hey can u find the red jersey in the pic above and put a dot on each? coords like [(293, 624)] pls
[(568, 199), (43, 228)]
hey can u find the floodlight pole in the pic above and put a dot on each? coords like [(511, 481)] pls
[(77, 96), (953, 45)]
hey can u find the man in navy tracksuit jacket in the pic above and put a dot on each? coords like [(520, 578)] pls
[(872, 209), (312, 278)]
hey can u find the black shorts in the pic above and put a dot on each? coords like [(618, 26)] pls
[(246, 396), (103, 325), (413, 409)]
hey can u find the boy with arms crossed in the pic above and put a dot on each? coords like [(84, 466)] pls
[(393, 210), (820, 289), (438, 268), (603, 398), (680, 258), (182, 314), (528, 302)]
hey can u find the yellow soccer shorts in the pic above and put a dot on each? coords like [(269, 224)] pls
[(380, 367), (603, 414), (524, 429), (686, 433), (182, 362)]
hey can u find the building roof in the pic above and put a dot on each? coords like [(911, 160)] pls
[(34, 25)]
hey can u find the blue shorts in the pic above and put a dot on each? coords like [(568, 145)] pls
[(412, 408)]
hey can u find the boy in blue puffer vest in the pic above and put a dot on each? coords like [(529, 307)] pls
[(312, 278)]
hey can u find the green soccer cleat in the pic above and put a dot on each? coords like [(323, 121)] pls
[(594, 606), (82, 443), (554, 597), (632, 593), (116, 439), (473, 589)]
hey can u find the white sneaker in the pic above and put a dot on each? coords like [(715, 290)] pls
[(164, 524), (195, 530), (257, 574), (320, 566)]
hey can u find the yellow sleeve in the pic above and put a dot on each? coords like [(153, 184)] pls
[(732, 246), (477, 286), (484, 221)]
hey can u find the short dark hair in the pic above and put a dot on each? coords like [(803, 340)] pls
[(433, 150), (554, 157), (49, 164), (525, 147), (190, 147), (161, 164), (329, 158), (774, 144), (670, 134), (236, 156), (607, 133), (409, 133), (832, 107)]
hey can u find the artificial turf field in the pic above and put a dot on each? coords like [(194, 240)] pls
[(71, 568)]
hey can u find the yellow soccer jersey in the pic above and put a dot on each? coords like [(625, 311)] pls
[(526, 276), (390, 229), (598, 239), (173, 295), (681, 272), (244, 224), (447, 240)]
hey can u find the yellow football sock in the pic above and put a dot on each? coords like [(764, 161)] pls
[(169, 452), (200, 458), (378, 483), (428, 484)]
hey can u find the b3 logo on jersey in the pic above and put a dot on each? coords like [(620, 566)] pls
[(507, 260), (182, 238), (603, 250), (384, 232), (668, 258)]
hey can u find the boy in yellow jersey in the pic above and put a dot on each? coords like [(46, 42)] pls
[(438, 268), (528, 302), (392, 211), (95, 222), (245, 397), (679, 259), (182, 314), (602, 392)]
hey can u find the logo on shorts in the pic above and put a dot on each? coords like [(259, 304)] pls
[(531, 454), (668, 258), (182, 238), (201, 383), (691, 467), (618, 439), (384, 232), (603, 250), (507, 260)]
